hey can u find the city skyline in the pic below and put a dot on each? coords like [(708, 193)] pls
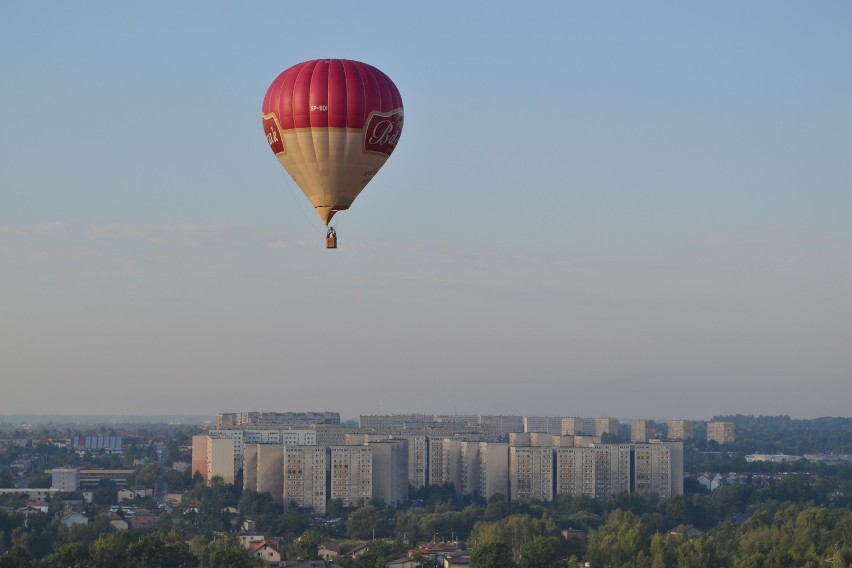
[(593, 210)]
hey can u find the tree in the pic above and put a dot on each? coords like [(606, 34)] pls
[(304, 547), (110, 550), (18, 557), (542, 552), (71, 555), (368, 522), (227, 553), (618, 541), (491, 555), (378, 552), (156, 551), (6, 480)]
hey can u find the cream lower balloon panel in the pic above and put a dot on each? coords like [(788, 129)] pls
[(329, 165)]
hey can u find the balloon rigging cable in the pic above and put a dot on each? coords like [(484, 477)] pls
[(298, 203)]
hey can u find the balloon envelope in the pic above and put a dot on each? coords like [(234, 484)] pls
[(332, 123)]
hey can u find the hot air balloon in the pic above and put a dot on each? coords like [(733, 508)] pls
[(332, 123)]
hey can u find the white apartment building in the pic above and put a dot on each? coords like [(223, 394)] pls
[(351, 472), (390, 471), (250, 467), (543, 424), (573, 426), (606, 426), (598, 471), (531, 473), (304, 477), (721, 432), (418, 460), (681, 429), (270, 470), (658, 468), (493, 469), (502, 425), (641, 430), (65, 478)]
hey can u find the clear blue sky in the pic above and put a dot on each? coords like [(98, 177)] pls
[(596, 208)]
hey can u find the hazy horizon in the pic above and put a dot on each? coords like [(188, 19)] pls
[(632, 210)]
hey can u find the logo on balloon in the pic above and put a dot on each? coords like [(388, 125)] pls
[(273, 133), (382, 131)]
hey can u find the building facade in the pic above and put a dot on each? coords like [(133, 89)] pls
[(721, 432)]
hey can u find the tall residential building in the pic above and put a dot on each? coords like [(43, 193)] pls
[(220, 459), (722, 432), (228, 420), (418, 460), (304, 477), (502, 425), (395, 422), (606, 426), (65, 478), (199, 456), (250, 467), (390, 471), (681, 429), (598, 471), (641, 430), (270, 470), (543, 424), (658, 468), (351, 472), (264, 436), (530, 473), (493, 469), (573, 426)]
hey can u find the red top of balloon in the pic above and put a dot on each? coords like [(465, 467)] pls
[(330, 93)]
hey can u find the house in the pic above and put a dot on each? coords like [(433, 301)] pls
[(268, 552), (458, 560), (404, 562), (249, 541), (328, 550), (143, 518), (689, 531), (74, 518), (131, 493), (116, 522), (42, 506)]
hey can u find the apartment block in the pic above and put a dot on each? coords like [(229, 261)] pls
[(270, 470), (502, 425), (658, 468), (227, 420), (608, 426), (543, 424), (599, 471), (641, 430), (418, 460), (351, 472), (65, 478), (531, 473), (681, 429), (573, 426), (390, 471), (304, 477), (250, 467), (721, 432), (221, 454)]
